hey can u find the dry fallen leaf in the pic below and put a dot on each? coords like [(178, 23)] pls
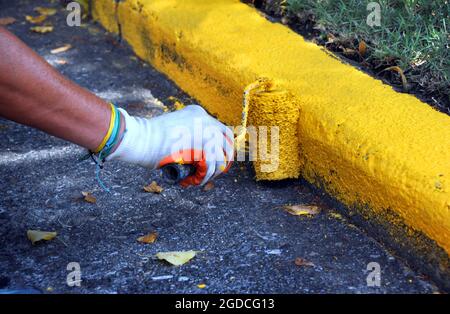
[(349, 51), (42, 29), (402, 76), (336, 215), (208, 186), (330, 38), (45, 11), (149, 238), (37, 235), (176, 258), (36, 19), (6, 20), (300, 210), (61, 49), (153, 188), (61, 61), (88, 197), (94, 30), (303, 262), (362, 48)]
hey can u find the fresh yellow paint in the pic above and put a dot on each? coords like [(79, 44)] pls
[(367, 144), (273, 114)]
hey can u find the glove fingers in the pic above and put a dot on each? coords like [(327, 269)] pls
[(216, 149), (228, 133), (211, 164), (228, 143), (197, 177), (219, 151), (229, 149), (222, 166), (188, 156)]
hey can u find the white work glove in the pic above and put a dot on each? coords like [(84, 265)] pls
[(187, 136)]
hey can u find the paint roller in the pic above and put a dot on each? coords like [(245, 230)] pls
[(174, 173)]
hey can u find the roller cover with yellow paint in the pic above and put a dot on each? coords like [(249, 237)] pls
[(367, 144), (274, 109)]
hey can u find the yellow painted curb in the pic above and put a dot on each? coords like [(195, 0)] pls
[(363, 142)]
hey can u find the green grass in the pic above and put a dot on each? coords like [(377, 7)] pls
[(414, 31)]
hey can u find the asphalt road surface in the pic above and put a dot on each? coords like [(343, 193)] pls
[(248, 243)]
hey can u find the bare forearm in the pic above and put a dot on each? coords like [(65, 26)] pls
[(35, 94)]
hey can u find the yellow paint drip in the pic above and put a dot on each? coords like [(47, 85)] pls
[(260, 84)]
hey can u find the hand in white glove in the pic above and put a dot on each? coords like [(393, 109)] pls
[(187, 136)]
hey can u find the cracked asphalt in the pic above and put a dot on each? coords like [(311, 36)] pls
[(248, 243)]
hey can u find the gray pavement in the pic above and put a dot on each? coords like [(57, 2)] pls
[(248, 242)]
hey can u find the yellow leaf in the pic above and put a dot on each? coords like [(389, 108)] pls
[(36, 19), (61, 49), (176, 258), (201, 285), (37, 235), (6, 20), (88, 197), (149, 238), (45, 11), (42, 29), (302, 210), (153, 188), (178, 105), (336, 216)]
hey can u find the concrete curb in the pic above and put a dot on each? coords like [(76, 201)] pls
[(382, 153)]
